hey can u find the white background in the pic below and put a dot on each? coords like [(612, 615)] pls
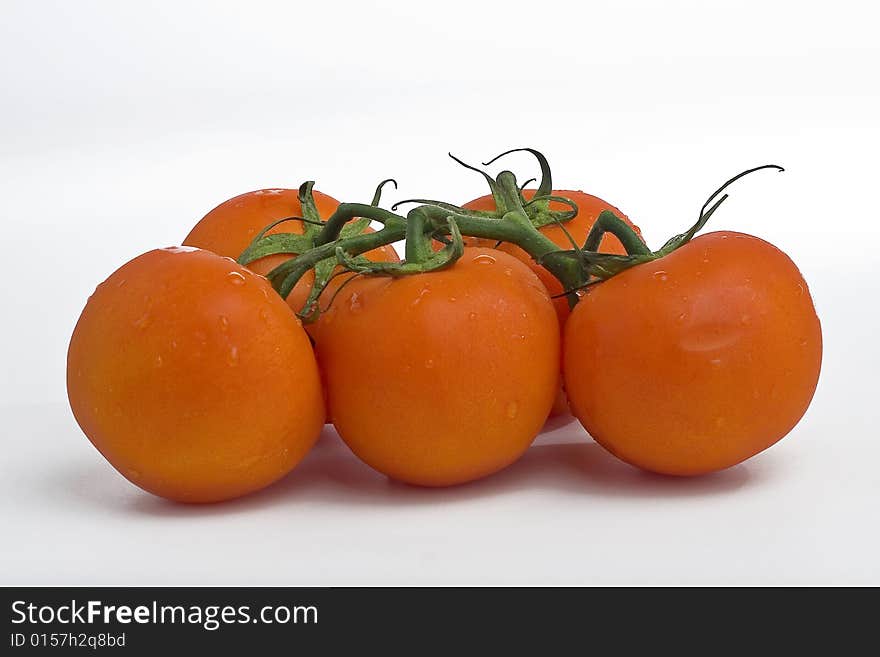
[(121, 124)]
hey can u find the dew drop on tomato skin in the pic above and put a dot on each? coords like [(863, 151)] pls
[(484, 259), (235, 278)]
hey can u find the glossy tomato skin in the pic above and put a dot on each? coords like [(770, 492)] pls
[(193, 378), (442, 378), (589, 209), (697, 361), (229, 228)]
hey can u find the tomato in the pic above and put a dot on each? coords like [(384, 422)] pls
[(193, 378), (444, 377), (589, 209), (696, 361), (229, 228)]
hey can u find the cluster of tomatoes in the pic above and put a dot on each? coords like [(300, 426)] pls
[(199, 382)]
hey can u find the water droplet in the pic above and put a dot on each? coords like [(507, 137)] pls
[(524, 315), (429, 364), (452, 299), (804, 343), (512, 410), (508, 271), (715, 362), (180, 249), (143, 321), (484, 259), (236, 278), (264, 315), (354, 302), (724, 237), (158, 360), (120, 283), (422, 293), (232, 356), (681, 317), (472, 315), (800, 290), (660, 275), (224, 323), (745, 320), (174, 344)]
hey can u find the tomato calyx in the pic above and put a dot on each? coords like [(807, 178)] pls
[(298, 243)]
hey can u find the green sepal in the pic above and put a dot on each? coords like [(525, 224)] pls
[(291, 243)]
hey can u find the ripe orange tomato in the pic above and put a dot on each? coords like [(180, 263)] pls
[(229, 228), (193, 378), (698, 360), (589, 209), (441, 378)]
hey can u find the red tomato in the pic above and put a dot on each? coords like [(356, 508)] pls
[(589, 209), (441, 378), (193, 378), (698, 360)]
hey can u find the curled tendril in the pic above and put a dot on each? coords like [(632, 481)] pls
[(684, 238), (493, 185), (427, 201), (569, 214), (733, 180), (307, 202), (546, 185), (377, 195), (525, 184)]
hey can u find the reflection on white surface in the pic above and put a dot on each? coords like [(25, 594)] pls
[(566, 513)]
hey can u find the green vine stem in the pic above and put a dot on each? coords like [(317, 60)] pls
[(341, 240)]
